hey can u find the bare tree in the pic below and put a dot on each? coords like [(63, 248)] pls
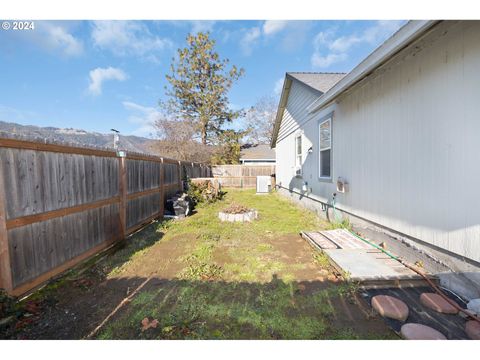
[(260, 119), (176, 139)]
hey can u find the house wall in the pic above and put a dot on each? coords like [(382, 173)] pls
[(408, 142)]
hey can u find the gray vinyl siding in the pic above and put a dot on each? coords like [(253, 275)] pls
[(408, 142), (295, 115)]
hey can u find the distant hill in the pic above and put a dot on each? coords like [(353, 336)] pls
[(76, 136)]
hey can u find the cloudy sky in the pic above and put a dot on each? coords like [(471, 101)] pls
[(98, 75)]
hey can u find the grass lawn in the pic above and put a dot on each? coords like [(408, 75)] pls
[(215, 280)]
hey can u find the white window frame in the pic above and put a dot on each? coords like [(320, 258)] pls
[(322, 121), (298, 163), (298, 155)]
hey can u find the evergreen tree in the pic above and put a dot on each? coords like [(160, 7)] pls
[(198, 87)]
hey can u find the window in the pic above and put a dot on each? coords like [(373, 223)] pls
[(298, 150), (325, 148)]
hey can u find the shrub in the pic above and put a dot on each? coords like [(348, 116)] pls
[(204, 192)]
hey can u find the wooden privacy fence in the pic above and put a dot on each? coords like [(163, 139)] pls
[(241, 176), (60, 204)]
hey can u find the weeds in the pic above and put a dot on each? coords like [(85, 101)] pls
[(199, 265), (321, 259), (344, 224), (198, 270)]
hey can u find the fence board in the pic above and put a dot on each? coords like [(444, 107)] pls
[(241, 176), (60, 204), (142, 208)]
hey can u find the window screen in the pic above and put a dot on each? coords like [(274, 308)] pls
[(325, 146), (298, 150)]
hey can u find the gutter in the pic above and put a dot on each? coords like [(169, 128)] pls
[(397, 42)]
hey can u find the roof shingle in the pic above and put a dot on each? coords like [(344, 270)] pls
[(318, 81), (258, 152)]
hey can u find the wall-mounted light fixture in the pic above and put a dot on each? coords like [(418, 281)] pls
[(310, 149)]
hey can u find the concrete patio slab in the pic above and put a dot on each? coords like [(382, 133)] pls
[(372, 268), (345, 240), (318, 240)]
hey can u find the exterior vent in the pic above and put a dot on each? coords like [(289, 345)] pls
[(298, 171), (342, 185)]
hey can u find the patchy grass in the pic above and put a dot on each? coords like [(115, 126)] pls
[(213, 280), (213, 310), (256, 280)]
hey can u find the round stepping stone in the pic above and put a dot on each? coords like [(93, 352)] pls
[(437, 303), (414, 331), (391, 307), (472, 328)]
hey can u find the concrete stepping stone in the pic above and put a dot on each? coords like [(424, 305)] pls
[(437, 303), (472, 328), (391, 307), (413, 331)]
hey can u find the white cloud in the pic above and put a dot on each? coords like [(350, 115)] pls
[(127, 38), (271, 27), (144, 117), (372, 35), (250, 39), (99, 75), (327, 60), (277, 89), (293, 34), (329, 50), (52, 36), (344, 43), (202, 25), (58, 37)]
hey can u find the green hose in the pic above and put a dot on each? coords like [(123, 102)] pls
[(364, 240), (375, 246), (413, 268)]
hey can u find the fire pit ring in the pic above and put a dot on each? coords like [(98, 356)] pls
[(243, 217)]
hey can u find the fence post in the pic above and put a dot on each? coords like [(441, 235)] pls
[(6, 281), (162, 189), (180, 187), (123, 189)]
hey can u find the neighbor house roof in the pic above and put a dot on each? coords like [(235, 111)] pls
[(318, 82), (258, 152)]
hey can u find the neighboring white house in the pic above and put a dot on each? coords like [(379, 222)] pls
[(260, 154), (402, 129)]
